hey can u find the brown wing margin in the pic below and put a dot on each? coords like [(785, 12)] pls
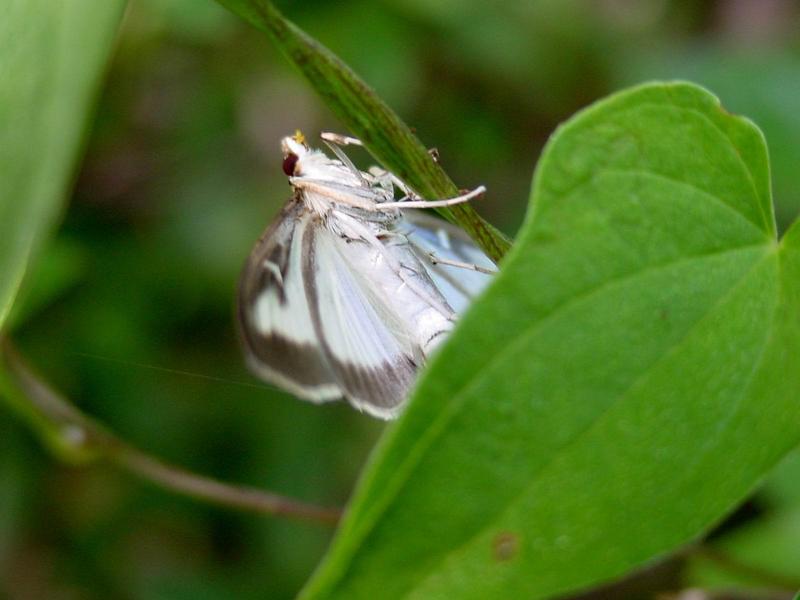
[(274, 322)]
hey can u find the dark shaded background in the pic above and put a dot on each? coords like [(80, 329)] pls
[(130, 311)]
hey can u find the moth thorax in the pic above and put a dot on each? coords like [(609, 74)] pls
[(318, 203)]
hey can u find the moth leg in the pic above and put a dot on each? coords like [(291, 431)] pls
[(461, 265), (478, 191), (387, 177), (413, 200), (404, 187)]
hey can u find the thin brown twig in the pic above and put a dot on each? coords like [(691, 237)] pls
[(726, 594), (756, 573), (79, 439), (205, 488)]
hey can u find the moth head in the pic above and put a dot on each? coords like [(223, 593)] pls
[(294, 147)]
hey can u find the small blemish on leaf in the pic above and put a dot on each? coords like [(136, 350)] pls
[(505, 546)]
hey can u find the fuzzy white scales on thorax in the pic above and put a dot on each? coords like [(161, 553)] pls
[(379, 250)]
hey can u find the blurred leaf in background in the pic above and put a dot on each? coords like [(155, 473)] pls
[(181, 174), (51, 61), (50, 73)]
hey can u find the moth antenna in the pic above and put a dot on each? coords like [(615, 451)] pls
[(340, 140)]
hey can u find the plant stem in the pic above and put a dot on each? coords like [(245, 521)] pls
[(756, 573), (368, 118), (78, 439)]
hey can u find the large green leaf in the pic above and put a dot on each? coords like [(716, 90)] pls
[(384, 134), (51, 56), (630, 376)]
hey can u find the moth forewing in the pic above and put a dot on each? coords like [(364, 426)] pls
[(280, 342)]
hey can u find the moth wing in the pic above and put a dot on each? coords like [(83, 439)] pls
[(279, 338), (429, 235), (366, 343)]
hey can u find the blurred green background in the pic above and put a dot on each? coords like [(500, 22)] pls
[(130, 309)]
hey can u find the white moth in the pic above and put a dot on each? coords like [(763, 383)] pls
[(348, 292)]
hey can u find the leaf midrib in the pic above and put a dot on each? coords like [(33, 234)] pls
[(766, 221), (762, 209), (679, 183)]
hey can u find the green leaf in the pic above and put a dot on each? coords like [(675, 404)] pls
[(629, 377), (773, 77), (367, 117), (51, 57)]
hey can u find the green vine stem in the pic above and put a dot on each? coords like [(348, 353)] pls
[(79, 440), (367, 117), (742, 569)]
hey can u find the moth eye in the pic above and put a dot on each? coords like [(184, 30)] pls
[(289, 163)]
